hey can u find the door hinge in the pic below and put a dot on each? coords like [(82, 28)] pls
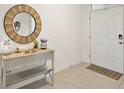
[(89, 17), (89, 56), (89, 36)]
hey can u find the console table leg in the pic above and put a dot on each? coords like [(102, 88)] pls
[(53, 69), (44, 68), (3, 74)]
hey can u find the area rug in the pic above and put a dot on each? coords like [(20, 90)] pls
[(105, 72)]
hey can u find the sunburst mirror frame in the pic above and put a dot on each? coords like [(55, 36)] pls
[(8, 24)]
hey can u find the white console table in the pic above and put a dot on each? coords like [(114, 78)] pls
[(15, 63)]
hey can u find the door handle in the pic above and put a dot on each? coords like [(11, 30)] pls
[(121, 43), (120, 36), (8, 71)]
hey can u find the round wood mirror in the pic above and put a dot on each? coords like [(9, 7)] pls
[(22, 24)]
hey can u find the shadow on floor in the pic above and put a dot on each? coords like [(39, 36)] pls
[(35, 85)]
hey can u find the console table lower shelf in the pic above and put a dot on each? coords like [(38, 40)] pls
[(16, 77)]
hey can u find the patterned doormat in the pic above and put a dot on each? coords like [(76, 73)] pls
[(105, 72)]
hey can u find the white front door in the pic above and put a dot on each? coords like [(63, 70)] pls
[(106, 38)]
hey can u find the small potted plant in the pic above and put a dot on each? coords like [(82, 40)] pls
[(44, 43)]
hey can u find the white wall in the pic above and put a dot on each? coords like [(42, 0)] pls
[(85, 35), (66, 27)]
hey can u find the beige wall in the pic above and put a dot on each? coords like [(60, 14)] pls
[(86, 32), (66, 26)]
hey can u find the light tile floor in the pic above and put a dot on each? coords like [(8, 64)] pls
[(78, 77)]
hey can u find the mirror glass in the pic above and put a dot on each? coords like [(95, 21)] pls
[(23, 24)]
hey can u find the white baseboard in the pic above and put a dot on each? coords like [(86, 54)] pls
[(65, 67)]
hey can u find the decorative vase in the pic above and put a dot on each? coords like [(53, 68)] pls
[(43, 45)]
